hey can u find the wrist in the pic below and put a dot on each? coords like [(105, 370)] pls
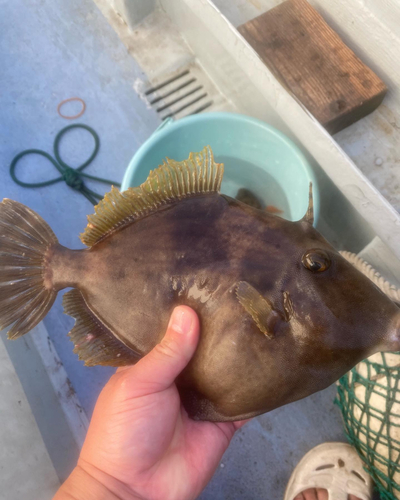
[(87, 483)]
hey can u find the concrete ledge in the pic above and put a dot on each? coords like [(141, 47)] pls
[(26, 468)]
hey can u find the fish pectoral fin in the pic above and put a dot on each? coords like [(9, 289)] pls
[(94, 343), (259, 308)]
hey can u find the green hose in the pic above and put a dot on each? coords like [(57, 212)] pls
[(73, 177)]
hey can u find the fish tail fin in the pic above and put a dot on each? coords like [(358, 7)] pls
[(24, 240)]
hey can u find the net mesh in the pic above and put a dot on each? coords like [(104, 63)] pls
[(369, 399)]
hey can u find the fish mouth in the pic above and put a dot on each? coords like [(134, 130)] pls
[(394, 333)]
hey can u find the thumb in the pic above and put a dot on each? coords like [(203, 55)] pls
[(158, 370)]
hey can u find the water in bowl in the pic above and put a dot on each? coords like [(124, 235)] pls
[(244, 174)]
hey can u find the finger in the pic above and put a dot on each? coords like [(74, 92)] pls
[(310, 494), (322, 494), (240, 423), (123, 368), (158, 370)]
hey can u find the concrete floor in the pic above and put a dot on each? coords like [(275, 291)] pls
[(52, 50)]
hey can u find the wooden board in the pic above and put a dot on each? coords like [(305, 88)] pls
[(311, 60)]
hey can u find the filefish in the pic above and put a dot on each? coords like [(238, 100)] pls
[(246, 196), (282, 313)]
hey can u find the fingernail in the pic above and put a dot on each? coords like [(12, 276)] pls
[(181, 321)]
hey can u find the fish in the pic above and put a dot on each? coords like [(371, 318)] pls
[(246, 196), (272, 209), (282, 313)]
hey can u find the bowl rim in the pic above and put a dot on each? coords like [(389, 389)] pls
[(172, 125)]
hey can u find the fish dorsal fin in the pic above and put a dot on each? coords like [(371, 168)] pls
[(94, 343), (170, 182)]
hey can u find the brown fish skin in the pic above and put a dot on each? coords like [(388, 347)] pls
[(195, 252), (282, 314)]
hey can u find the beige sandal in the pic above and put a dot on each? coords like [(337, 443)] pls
[(335, 467)]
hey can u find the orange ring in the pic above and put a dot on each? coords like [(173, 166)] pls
[(69, 100)]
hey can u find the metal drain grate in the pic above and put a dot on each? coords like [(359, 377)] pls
[(180, 95)]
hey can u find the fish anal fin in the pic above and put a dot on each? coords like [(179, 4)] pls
[(171, 181), (94, 342), (259, 308)]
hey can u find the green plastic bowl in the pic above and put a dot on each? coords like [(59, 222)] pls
[(256, 156)]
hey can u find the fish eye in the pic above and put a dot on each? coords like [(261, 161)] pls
[(316, 260)]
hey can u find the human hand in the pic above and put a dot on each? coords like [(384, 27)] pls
[(141, 444)]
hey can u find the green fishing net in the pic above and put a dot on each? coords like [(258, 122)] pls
[(369, 399)]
